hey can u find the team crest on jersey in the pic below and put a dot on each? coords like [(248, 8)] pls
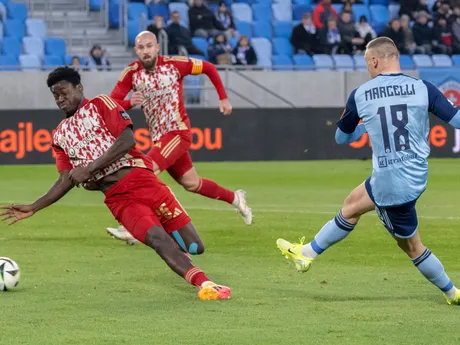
[(72, 152), (451, 89), (125, 115)]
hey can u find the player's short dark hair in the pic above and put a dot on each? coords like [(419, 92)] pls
[(67, 74), (384, 47)]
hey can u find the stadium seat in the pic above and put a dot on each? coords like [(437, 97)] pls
[(379, 14), (303, 62), (243, 1), (183, 12), (263, 2), (406, 62), (158, 9), (3, 14), (262, 12), (360, 62), (244, 28), (33, 46), (199, 57), (441, 60), (17, 11), (201, 44), (380, 2), (52, 61), (1, 31), (30, 62), (361, 10), (287, 3), (456, 60), (264, 61), (422, 60), (298, 10), (282, 46), (282, 29), (282, 12), (262, 29), (343, 62), (36, 28), (133, 30), (8, 63), (96, 5), (284, 62), (114, 16), (11, 46), (263, 48), (14, 28), (233, 42), (393, 10), (338, 7), (55, 46), (303, 2), (137, 10), (323, 62), (242, 12)]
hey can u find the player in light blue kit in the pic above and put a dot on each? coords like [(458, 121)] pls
[(394, 110)]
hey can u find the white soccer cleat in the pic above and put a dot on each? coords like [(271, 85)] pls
[(242, 206), (122, 234)]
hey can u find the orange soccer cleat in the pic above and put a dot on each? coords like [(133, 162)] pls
[(212, 291)]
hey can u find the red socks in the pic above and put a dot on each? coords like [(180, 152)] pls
[(212, 190), (195, 276)]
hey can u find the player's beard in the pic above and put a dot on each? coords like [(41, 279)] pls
[(148, 65)]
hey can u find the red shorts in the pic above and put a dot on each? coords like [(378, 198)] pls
[(140, 200), (171, 153)]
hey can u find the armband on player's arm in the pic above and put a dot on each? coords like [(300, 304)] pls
[(344, 138), (441, 107), (196, 67)]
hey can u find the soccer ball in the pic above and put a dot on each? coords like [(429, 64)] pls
[(9, 274)]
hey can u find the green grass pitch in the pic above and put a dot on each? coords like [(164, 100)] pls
[(79, 286)]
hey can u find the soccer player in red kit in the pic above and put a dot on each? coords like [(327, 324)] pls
[(95, 144), (157, 84)]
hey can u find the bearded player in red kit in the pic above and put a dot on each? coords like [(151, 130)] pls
[(157, 84), (95, 144)]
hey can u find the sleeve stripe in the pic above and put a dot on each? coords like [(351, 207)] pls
[(107, 101), (127, 70), (197, 66)]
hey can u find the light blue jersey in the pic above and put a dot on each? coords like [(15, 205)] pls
[(394, 110)]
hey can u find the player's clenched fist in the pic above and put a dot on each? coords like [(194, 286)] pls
[(225, 107), (80, 175), (137, 98)]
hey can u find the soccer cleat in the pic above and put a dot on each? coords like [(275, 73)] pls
[(242, 207), (122, 234), (293, 251), (455, 301), (212, 291)]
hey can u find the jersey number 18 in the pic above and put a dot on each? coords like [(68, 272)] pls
[(401, 134)]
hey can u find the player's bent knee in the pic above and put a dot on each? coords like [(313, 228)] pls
[(196, 248)]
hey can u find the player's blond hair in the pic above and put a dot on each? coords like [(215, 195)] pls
[(384, 48)]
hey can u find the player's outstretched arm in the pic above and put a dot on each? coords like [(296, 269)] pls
[(213, 74), (15, 213), (345, 138), (124, 142)]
